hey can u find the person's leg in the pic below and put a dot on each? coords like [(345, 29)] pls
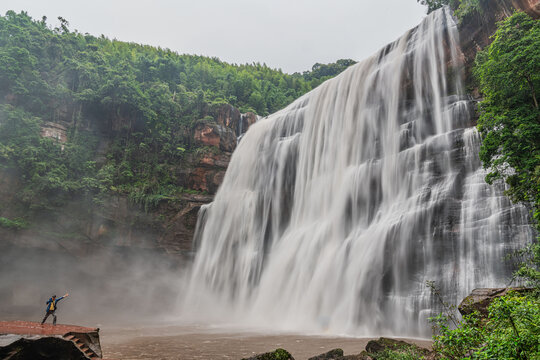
[(46, 316), (54, 318)]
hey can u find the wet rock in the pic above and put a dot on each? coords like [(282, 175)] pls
[(480, 299), (362, 356), (337, 354), (376, 347), (279, 354), (331, 355)]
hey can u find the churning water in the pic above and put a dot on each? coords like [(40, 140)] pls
[(335, 211)]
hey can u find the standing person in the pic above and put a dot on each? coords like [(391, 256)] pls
[(51, 307)]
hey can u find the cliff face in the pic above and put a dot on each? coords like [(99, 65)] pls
[(80, 226)]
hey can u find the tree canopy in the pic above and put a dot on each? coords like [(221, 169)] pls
[(141, 101)]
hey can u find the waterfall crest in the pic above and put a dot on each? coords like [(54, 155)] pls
[(335, 211)]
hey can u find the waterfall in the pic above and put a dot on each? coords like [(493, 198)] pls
[(335, 211)]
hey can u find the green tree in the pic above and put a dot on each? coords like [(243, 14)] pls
[(140, 100), (509, 76)]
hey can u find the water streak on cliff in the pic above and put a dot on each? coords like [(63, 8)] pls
[(336, 210)]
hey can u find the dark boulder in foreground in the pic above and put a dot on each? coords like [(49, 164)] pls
[(337, 354), (279, 354), (48, 348), (331, 355)]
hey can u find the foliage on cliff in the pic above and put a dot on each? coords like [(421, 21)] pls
[(509, 76), (129, 109)]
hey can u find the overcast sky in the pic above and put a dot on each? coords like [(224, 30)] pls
[(288, 34)]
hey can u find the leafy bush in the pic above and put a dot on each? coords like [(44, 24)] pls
[(13, 224), (511, 331)]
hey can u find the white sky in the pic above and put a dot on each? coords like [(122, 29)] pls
[(291, 35)]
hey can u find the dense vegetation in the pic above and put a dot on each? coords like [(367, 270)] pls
[(129, 109), (509, 76)]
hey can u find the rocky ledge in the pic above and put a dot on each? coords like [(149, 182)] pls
[(23, 340)]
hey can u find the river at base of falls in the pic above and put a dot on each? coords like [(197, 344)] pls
[(209, 343)]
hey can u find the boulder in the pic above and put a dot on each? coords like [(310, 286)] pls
[(279, 354), (331, 355), (480, 299)]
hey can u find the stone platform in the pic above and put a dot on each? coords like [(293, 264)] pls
[(25, 338)]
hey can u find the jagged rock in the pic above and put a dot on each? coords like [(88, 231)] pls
[(26, 340), (52, 348), (212, 134), (331, 355), (480, 299), (279, 354), (177, 237), (227, 115), (248, 119), (208, 173)]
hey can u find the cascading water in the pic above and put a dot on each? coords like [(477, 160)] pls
[(335, 211)]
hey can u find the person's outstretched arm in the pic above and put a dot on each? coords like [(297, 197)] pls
[(65, 296)]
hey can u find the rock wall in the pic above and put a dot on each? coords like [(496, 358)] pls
[(169, 227)]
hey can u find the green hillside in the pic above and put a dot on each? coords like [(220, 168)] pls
[(143, 100)]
